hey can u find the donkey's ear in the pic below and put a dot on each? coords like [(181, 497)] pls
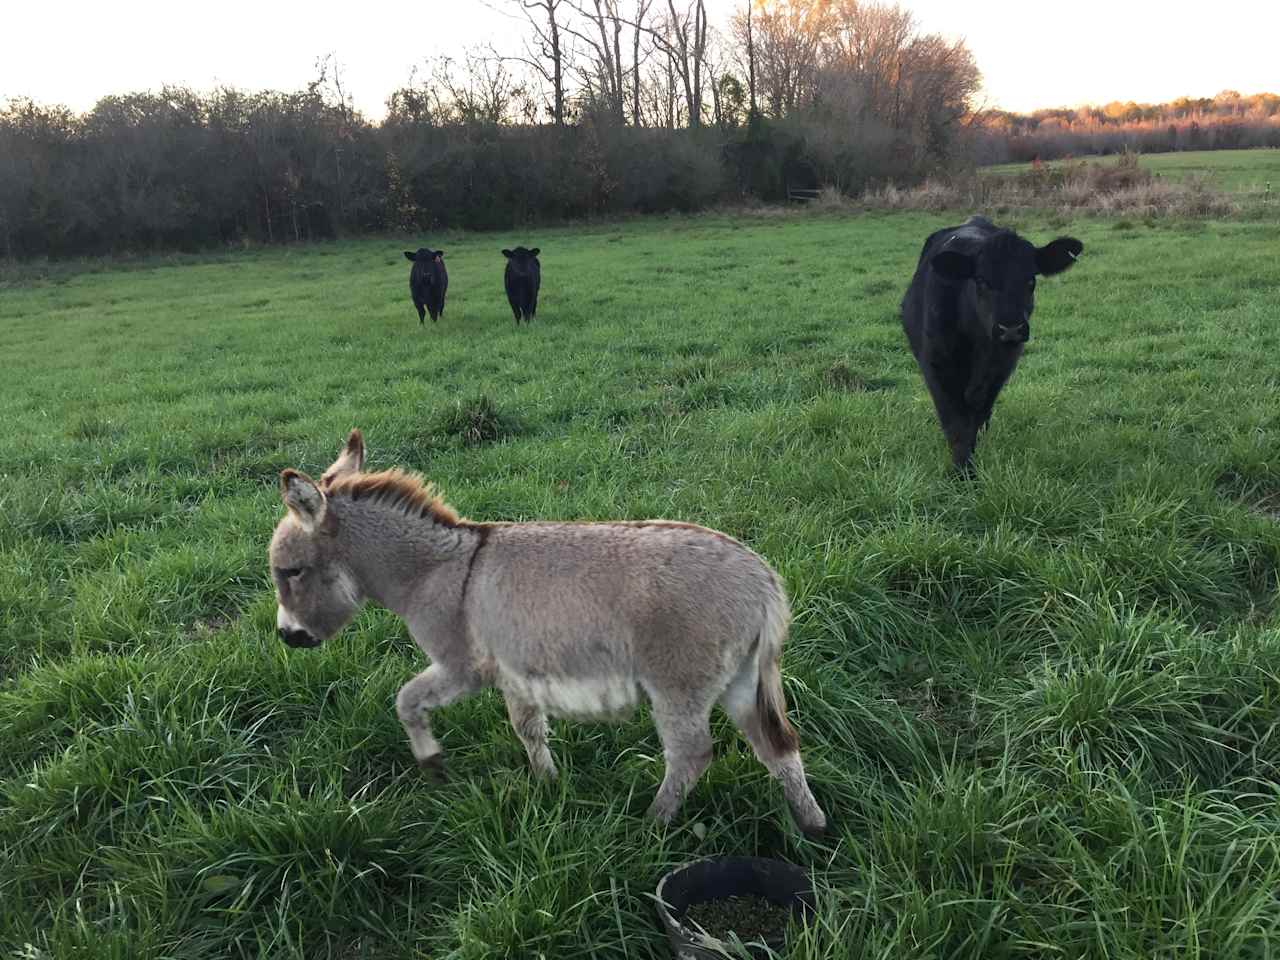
[(303, 498), (350, 459)]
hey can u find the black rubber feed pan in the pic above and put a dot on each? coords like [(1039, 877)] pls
[(777, 881)]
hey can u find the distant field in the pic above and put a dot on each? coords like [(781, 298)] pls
[(1040, 708), (1233, 170)]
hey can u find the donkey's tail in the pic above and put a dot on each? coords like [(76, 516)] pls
[(771, 702)]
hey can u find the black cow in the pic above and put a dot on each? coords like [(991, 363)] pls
[(522, 279), (428, 282), (967, 315)]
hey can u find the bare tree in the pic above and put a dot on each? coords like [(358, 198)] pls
[(788, 36), (546, 51), (638, 28), (479, 90), (870, 41), (603, 72), (682, 37), (742, 33), (727, 95)]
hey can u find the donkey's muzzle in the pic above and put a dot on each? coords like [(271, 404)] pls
[(298, 638)]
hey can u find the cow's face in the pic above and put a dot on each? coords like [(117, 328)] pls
[(427, 258), (999, 281), (522, 262)]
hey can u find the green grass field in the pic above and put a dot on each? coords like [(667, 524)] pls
[(1236, 171), (1042, 709)]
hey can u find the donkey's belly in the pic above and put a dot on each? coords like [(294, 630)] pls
[(603, 696)]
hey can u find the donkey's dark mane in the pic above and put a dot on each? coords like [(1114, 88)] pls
[(402, 491)]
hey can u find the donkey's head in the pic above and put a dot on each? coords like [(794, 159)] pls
[(317, 594)]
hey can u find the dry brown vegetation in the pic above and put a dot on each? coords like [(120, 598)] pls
[(1229, 121), (1119, 187)]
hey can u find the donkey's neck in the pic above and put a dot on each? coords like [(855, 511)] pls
[(391, 552)]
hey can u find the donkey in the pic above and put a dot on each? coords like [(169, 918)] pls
[(566, 619)]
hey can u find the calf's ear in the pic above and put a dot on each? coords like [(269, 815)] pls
[(952, 266), (303, 498), (535, 251), (409, 255), (350, 459), (507, 254), (1058, 256)]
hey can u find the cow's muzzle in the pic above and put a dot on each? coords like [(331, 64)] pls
[(1017, 333)]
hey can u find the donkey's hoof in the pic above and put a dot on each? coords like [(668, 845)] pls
[(433, 768), (663, 811), (813, 829)]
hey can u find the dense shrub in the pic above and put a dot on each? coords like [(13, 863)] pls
[(182, 170)]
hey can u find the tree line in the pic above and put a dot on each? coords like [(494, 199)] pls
[(600, 107), (1228, 121), (603, 107)]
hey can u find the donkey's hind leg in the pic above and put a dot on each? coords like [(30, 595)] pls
[(531, 727), (433, 687), (686, 747), (741, 703)]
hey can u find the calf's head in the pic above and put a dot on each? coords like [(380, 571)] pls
[(427, 257), (998, 279), (522, 262), (316, 593)]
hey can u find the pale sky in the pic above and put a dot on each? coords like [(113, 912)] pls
[(1033, 53)]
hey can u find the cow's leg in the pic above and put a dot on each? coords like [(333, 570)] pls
[(955, 419), (988, 404), (422, 313), (433, 687), (962, 437)]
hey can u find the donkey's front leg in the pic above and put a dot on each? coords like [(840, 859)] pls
[(433, 687)]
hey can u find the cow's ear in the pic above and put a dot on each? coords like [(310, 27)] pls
[(409, 255), (1058, 256), (438, 254), (952, 266), (535, 251), (507, 254)]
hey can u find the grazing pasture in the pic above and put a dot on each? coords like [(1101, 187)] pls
[(1040, 708), (1236, 171)]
